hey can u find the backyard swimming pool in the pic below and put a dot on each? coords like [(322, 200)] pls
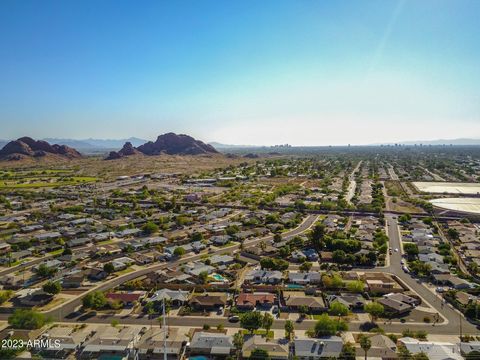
[(219, 277)]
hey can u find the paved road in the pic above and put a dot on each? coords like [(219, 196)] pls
[(455, 319), (352, 185)]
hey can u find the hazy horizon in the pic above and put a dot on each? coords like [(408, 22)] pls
[(241, 72)]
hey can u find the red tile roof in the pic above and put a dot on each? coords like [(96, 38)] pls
[(247, 298)]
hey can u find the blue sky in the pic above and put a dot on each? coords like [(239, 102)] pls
[(243, 72)]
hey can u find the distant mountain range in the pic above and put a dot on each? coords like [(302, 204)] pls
[(104, 145), (97, 144)]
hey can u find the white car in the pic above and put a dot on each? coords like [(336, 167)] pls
[(440, 289), (396, 249), (402, 262)]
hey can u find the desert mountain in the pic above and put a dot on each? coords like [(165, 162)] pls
[(170, 143), (26, 147)]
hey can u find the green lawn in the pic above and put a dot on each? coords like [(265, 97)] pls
[(75, 180), (259, 332), (56, 252)]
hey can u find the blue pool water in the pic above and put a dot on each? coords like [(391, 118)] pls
[(217, 277), (294, 286), (199, 357)]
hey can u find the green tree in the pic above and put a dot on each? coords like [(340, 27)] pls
[(303, 310), (375, 310), (203, 276), (339, 256), (150, 228), (365, 344), (5, 295), (179, 251), (277, 238), (259, 354), (94, 300), (44, 271), (348, 352), (267, 323), (356, 286), (326, 326), (197, 236), (238, 340), (289, 329), (403, 353), (108, 268), (306, 266), (251, 321), (52, 287), (473, 355), (411, 250), (453, 234), (338, 309), (317, 235), (27, 319)]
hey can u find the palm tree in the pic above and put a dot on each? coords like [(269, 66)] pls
[(267, 323), (289, 329), (365, 344), (238, 343)]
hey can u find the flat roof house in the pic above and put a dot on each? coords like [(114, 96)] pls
[(312, 349), (214, 344), (111, 341)]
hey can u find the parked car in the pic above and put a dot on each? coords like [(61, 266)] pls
[(234, 318)]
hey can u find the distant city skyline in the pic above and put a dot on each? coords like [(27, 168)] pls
[(241, 72)]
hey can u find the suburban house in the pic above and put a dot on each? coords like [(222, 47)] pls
[(352, 301), (398, 304), (151, 344), (433, 350), (33, 297), (175, 297), (209, 343), (451, 280), (313, 303), (111, 341), (249, 301), (208, 302), (68, 338), (264, 277), (325, 347), (304, 278), (277, 350)]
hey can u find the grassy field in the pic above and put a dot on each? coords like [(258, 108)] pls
[(40, 182)]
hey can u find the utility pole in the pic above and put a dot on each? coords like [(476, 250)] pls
[(461, 334), (164, 332)]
